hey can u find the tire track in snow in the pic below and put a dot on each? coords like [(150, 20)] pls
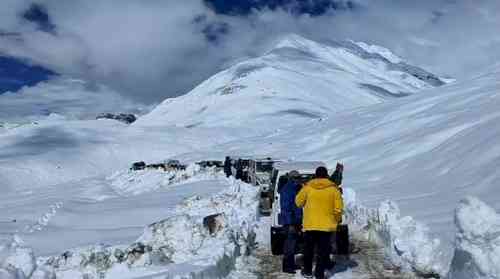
[(44, 220)]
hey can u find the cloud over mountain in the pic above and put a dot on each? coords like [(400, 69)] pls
[(156, 49)]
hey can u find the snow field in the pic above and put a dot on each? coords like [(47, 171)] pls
[(129, 182)]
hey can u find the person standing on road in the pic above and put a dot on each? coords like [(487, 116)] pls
[(290, 218), (239, 169), (227, 166), (337, 176), (323, 206)]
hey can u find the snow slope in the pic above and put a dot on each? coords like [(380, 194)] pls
[(53, 152), (426, 152), (297, 80)]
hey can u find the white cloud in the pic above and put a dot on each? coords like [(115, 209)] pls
[(71, 99), (150, 50)]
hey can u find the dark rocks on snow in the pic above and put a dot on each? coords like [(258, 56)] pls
[(211, 163), (123, 117), (167, 166), (213, 223), (120, 255), (138, 166), (136, 251)]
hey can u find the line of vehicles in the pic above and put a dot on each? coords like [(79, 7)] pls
[(270, 175), (266, 173)]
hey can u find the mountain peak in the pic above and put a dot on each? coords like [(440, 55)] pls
[(292, 40), (299, 79)]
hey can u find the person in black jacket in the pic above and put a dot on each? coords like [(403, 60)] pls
[(239, 169), (337, 176), (227, 166)]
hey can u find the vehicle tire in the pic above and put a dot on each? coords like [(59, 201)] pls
[(342, 239), (277, 243), (265, 206)]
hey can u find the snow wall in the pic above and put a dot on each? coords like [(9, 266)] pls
[(408, 244), (477, 252)]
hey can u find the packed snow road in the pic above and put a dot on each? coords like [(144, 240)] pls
[(367, 261)]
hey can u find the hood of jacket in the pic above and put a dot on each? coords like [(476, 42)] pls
[(320, 183)]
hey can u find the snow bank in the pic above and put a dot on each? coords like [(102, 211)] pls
[(406, 242), (180, 245), (477, 252), (130, 182), (17, 261)]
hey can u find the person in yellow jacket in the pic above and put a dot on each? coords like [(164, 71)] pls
[(322, 205)]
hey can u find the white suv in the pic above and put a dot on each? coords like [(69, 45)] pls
[(278, 179)]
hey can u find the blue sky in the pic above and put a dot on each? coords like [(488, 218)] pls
[(16, 73)]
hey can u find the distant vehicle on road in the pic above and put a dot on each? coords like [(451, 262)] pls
[(211, 163), (259, 171), (259, 174)]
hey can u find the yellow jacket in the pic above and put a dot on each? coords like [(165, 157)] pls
[(322, 203)]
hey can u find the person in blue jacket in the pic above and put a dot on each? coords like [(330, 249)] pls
[(290, 218)]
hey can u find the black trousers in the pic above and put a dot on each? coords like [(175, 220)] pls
[(319, 242), (289, 248)]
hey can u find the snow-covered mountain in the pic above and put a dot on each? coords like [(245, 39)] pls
[(297, 79)]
